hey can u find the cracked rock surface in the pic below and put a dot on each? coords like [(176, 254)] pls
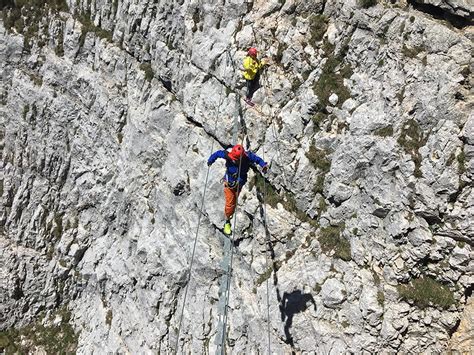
[(109, 110)]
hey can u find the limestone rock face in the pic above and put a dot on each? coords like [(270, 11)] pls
[(109, 111)]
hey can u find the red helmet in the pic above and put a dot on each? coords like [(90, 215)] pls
[(237, 152), (252, 52)]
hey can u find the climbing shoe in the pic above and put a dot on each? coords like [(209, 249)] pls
[(227, 228), (249, 102)]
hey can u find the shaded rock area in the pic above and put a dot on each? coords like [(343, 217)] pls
[(109, 110)]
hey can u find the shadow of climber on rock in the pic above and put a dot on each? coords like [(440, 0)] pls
[(292, 303)]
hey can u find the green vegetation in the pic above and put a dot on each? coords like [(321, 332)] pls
[(59, 50), (149, 74), (400, 95), (319, 186), (380, 298), (384, 132), (330, 239), (318, 118), (332, 76), (26, 109), (295, 84), (425, 292), (31, 17), (318, 25), (411, 139), (54, 339), (367, 3), (273, 197), (264, 277), (318, 158), (88, 26), (412, 52), (196, 19), (461, 158), (281, 48), (108, 317), (36, 79)]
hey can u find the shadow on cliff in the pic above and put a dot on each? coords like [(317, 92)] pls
[(290, 303)]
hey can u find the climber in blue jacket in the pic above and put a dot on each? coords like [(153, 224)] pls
[(233, 179)]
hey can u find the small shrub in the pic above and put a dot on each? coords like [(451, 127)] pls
[(88, 26), (384, 132), (272, 197), (318, 25), (54, 339), (451, 159), (26, 109), (108, 317), (367, 3), (149, 74), (281, 48), (319, 185), (411, 139), (318, 119), (36, 79), (295, 84), (412, 52), (400, 95), (318, 158), (263, 277), (330, 239), (332, 77), (425, 292), (380, 298), (461, 158)]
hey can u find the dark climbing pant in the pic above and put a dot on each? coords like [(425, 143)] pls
[(252, 86)]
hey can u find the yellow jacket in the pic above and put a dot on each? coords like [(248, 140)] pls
[(251, 67)]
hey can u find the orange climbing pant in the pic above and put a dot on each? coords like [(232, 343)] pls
[(231, 195)]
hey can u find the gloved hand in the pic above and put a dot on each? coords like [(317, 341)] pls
[(265, 169), (209, 163)]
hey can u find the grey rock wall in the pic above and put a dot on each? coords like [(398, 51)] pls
[(110, 110)]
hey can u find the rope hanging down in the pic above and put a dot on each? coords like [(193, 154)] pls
[(266, 253), (229, 270), (197, 231)]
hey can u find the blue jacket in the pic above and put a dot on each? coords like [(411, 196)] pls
[(232, 167)]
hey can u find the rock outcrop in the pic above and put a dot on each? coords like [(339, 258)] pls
[(109, 110)]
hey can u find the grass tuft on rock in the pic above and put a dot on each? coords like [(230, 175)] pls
[(318, 158), (53, 339), (384, 132), (149, 74), (331, 240), (332, 76), (367, 3), (461, 158), (425, 292), (411, 140), (318, 25)]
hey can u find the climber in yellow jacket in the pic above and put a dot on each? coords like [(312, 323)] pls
[(252, 69)]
